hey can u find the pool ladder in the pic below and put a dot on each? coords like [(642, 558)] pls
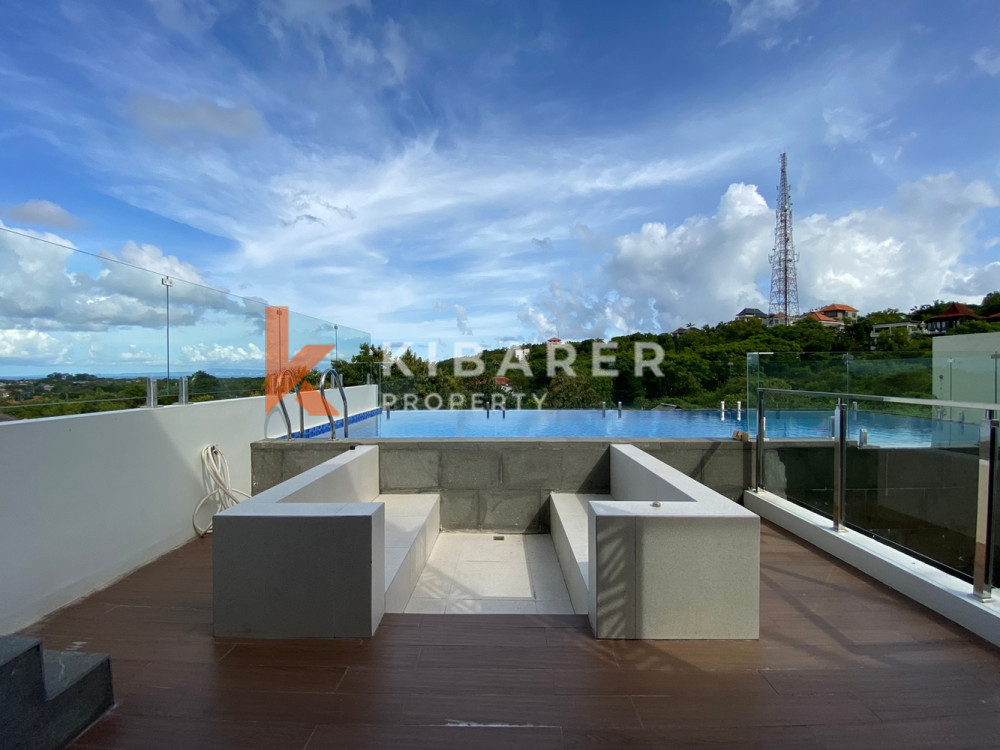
[(295, 388), (339, 382)]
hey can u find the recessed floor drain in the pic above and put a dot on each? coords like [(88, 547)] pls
[(498, 537)]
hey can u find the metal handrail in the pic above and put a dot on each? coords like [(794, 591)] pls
[(339, 381), (281, 401), (326, 404), (886, 399)]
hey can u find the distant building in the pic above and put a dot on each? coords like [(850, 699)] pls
[(843, 313), (751, 313), (910, 326), (780, 319), (677, 332), (554, 340), (954, 314), (826, 320), (503, 383)]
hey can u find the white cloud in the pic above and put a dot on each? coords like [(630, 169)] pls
[(18, 345), (41, 213), (762, 18), (462, 320), (844, 125), (134, 354), (987, 61), (707, 268), (215, 354), (657, 277), (188, 17), (169, 121), (46, 286)]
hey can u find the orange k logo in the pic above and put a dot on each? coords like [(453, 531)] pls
[(282, 374)]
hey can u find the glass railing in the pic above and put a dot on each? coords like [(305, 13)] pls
[(896, 469), (83, 333)]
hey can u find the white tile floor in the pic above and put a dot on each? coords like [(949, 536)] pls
[(476, 573)]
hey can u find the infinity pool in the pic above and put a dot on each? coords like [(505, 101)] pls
[(883, 429)]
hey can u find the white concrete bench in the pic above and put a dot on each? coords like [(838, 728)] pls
[(568, 519), (688, 567), (323, 554)]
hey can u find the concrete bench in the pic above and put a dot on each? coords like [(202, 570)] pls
[(688, 567), (323, 554)]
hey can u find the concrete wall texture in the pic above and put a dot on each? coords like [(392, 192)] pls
[(505, 485)]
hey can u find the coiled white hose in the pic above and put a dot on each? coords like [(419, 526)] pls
[(216, 470)]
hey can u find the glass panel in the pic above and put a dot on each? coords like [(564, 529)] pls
[(872, 373), (798, 452), (81, 333), (217, 341), (913, 485), (78, 333)]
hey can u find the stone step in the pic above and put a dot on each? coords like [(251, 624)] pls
[(49, 697), (20, 672)]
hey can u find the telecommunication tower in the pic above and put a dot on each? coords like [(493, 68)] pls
[(784, 286)]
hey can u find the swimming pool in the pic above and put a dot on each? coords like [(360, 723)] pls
[(883, 429)]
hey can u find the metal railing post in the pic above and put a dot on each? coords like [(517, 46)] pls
[(182, 390), (840, 467), (151, 395), (982, 564), (761, 422)]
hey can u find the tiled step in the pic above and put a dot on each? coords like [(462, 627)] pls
[(47, 698)]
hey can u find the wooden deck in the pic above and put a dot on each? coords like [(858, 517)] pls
[(842, 662)]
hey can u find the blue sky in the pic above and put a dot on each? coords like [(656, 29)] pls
[(498, 172)]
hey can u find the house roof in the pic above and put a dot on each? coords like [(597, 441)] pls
[(955, 310), (554, 340), (818, 315), (751, 311), (838, 308)]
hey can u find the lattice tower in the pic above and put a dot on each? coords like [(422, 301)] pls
[(784, 285)]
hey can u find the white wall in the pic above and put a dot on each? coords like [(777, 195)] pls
[(85, 499)]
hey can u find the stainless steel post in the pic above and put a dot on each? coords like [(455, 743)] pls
[(840, 467), (151, 398), (982, 563), (182, 390), (760, 440)]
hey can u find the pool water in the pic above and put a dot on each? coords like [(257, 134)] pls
[(883, 429)]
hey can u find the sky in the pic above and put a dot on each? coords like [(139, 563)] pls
[(484, 173)]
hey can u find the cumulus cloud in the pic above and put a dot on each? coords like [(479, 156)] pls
[(216, 354), (134, 354), (170, 121), (709, 267), (81, 309), (762, 18), (987, 61), (41, 213), (19, 345), (657, 277)]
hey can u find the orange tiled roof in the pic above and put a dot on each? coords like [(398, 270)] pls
[(821, 317), (837, 308)]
